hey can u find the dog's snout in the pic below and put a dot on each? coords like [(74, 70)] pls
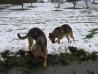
[(52, 41)]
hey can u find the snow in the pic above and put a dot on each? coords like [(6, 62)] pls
[(44, 16)]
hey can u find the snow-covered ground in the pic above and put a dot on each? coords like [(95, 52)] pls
[(45, 16)]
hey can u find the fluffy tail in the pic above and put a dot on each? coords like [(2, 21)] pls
[(24, 37)]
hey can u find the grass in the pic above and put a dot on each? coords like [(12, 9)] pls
[(94, 2), (91, 34), (25, 59)]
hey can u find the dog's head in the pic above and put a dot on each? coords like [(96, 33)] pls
[(52, 37)]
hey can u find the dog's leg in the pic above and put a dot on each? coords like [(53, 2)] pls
[(30, 43), (58, 40), (71, 35), (68, 38), (34, 53), (45, 58)]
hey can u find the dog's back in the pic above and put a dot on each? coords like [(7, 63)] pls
[(36, 33), (66, 28), (62, 30)]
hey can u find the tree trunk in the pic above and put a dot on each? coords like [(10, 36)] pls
[(58, 2), (21, 2), (6, 2), (22, 6), (86, 2), (93, 1), (74, 3), (31, 2)]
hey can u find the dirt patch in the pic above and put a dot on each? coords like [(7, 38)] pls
[(22, 62)]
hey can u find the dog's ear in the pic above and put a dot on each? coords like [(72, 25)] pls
[(52, 35), (49, 35)]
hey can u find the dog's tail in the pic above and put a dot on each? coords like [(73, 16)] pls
[(24, 37)]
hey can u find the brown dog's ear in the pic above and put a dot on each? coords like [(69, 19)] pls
[(49, 35)]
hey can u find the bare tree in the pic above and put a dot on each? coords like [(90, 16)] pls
[(93, 1), (32, 1), (58, 2), (22, 4), (5, 2), (74, 2)]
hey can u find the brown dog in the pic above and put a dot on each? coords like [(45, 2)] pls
[(40, 47), (60, 32)]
